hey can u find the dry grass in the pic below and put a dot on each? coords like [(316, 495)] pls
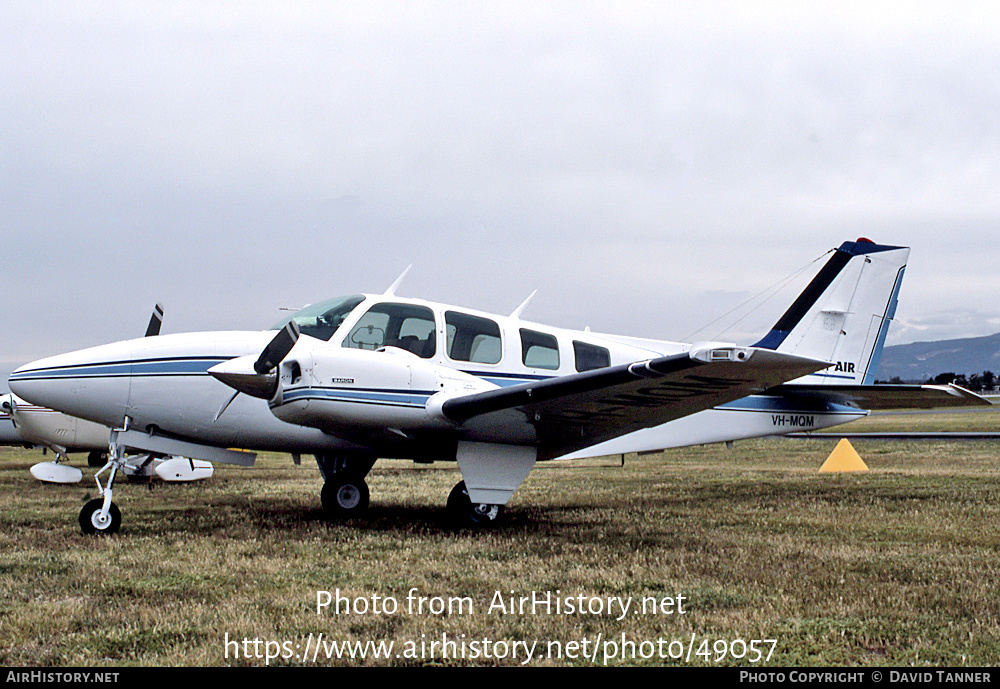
[(898, 566)]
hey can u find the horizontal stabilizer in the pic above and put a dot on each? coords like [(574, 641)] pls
[(50, 472), (878, 397), (182, 470)]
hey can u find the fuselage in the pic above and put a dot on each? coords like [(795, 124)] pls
[(162, 383), (37, 425)]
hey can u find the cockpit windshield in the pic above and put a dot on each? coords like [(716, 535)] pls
[(322, 319)]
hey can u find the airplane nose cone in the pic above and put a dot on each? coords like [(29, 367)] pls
[(27, 381), (86, 384), (240, 375)]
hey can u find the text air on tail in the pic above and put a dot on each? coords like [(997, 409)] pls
[(844, 313)]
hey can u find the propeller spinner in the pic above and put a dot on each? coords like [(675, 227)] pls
[(258, 379)]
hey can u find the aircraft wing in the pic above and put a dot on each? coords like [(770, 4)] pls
[(579, 410), (879, 397)]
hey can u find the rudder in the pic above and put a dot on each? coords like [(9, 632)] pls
[(844, 313)]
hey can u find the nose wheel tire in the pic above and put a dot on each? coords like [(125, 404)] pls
[(345, 497), (464, 512), (93, 522)]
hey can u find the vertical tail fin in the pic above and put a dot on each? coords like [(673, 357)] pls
[(843, 315)]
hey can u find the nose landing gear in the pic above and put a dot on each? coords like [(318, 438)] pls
[(94, 520), (100, 515)]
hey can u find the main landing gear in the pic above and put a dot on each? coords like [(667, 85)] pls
[(345, 497), (345, 493), (463, 512)]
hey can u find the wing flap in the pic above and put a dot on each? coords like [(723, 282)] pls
[(571, 412)]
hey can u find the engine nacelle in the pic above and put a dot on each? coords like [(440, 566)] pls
[(337, 389)]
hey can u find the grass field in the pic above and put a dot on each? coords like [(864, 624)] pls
[(897, 566)]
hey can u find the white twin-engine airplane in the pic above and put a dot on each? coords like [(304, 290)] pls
[(366, 376)]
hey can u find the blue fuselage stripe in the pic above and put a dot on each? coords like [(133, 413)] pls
[(396, 398), (189, 366)]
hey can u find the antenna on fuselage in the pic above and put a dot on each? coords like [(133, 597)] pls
[(519, 309), (391, 292)]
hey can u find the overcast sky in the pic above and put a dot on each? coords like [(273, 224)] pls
[(645, 166)]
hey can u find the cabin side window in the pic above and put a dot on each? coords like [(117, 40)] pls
[(472, 338), (589, 357), (539, 350), (407, 326)]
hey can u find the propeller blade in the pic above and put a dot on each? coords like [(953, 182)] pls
[(10, 404), (155, 321), (277, 349), (221, 410)]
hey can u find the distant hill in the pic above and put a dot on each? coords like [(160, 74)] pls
[(922, 360)]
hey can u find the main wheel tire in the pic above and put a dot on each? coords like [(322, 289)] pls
[(92, 522), (466, 513), (97, 459), (345, 497)]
